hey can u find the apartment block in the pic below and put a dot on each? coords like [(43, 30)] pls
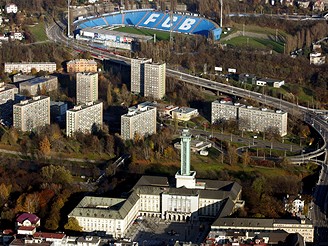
[(39, 85), (33, 113), (260, 119), (137, 74), (155, 80), (81, 66), (84, 118), (224, 110), (139, 120), (250, 118), (86, 87), (147, 78), (7, 98), (26, 67)]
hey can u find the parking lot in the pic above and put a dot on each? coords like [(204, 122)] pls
[(155, 231)]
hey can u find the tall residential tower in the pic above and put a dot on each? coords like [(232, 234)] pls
[(86, 87)]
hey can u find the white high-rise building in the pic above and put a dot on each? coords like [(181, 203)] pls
[(155, 80), (33, 113), (147, 78), (84, 118), (137, 74), (86, 87), (139, 120)]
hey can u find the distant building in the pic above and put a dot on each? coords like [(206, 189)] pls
[(250, 118), (39, 85), (11, 8), (28, 219), (303, 4), (17, 78), (7, 98), (294, 205), (224, 110), (147, 78), (138, 74), (318, 6), (184, 113), (317, 58), (58, 111), (262, 119), (86, 87), (139, 120), (82, 66), (155, 80), (276, 83), (247, 78), (26, 67), (33, 113), (84, 118), (302, 226)]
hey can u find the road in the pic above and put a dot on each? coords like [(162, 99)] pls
[(55, 33)]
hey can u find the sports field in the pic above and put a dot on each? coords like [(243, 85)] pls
[(160, 35), (259, 43)]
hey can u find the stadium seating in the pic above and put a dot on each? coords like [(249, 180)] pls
[(153, 19)]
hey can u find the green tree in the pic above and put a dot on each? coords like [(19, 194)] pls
[(72, 225), (57, 174)]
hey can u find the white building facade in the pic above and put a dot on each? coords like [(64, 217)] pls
[(26, 67), (86, 87), (33, 113), (139, 121), (84, 118)]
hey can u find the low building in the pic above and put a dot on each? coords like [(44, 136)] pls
[(302, 226), (26, 230), (81, 66), (39, 85), (294, 205), (84, 118), (11, 8), (140, 121), (247, 78), (276, 83), (184, 113), (195, 145), (26, 67), (28, 219), (316, 58)]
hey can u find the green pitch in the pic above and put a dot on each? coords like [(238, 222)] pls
[(243, 41), (160, 35)]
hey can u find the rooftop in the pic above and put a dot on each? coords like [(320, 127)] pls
[(29, 101), (84, 106), (37, 80), (27, 216)]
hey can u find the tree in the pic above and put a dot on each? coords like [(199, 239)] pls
[(44, 146), (246, 159), (109, 94), (72, 224), (57, 174), (4, 193)]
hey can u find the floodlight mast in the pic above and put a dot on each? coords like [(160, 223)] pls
[(221, 13), (68, 20)]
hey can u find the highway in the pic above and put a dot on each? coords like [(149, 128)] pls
[(55, 33)]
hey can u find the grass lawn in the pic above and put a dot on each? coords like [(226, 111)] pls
[(160, 35), (39, 32), (244, 41), (259, 29)]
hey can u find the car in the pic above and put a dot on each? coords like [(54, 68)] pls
[(255, 137)]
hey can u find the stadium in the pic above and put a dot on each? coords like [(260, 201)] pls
[(101, 29)]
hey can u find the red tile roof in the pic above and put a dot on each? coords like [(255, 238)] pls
[(49, 235), (27, 216), (26, 228)]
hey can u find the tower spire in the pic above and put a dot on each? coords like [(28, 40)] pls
[(185, 152)]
